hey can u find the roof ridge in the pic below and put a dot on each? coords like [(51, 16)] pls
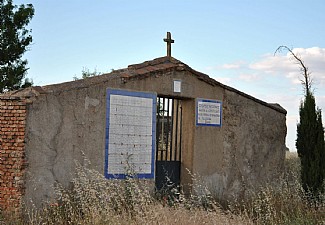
[(166, 62), (157, 65), (160, 60)]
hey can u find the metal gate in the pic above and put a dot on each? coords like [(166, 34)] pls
[(168, 141)]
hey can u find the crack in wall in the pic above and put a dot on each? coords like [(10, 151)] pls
[(54, 140)]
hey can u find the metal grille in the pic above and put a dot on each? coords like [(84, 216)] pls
[(168, 140), (169, 132)]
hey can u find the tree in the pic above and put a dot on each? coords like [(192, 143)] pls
[(14, 41), (310, 145), (310, 141)]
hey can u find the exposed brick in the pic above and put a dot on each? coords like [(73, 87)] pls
[(12, 157)]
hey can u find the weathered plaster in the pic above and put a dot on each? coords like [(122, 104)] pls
[(66, 123)]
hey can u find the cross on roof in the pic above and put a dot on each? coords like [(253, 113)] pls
[(169, 41)]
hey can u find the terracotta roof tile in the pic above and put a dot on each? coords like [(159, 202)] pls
[(124, 75), (167, 63), (166, 66), (141, 71), (152, 68), (158, 65)]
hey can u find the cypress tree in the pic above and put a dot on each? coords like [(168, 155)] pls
[(310, 141), (310, 146)]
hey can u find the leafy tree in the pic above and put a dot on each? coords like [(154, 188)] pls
[(310, 135), (14, 41)]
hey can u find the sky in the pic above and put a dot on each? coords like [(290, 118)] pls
[(232, 41)]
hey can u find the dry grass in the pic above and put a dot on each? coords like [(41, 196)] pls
[(95, 200), (287, 203)]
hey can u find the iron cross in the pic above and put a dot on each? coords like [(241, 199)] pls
[(169, 41)]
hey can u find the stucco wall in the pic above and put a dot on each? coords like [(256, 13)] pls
[(63, 128), (250, 151), (67, 123)]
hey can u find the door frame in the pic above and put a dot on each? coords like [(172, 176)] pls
[(168, 143)]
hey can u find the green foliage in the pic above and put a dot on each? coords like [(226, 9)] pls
[(310, 141), (85, 73), (14, 41), (27, 83), (311, 146)]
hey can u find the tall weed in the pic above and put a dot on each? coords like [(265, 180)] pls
[(95, 200), (285, 203), (92, 199)]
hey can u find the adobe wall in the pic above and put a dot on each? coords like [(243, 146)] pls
[(63, 128), (252, 145), (12, 156), (66, 124)]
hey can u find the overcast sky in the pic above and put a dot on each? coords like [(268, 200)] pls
[(231, 41)]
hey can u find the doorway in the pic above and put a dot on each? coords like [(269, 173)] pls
[(168, 143)]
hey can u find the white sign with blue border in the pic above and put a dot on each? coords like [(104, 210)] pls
[(208, 112), (130, 133)]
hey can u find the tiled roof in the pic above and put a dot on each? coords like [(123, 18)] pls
[(169, 63), (160, 65), (156, 65), (139, 71)]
